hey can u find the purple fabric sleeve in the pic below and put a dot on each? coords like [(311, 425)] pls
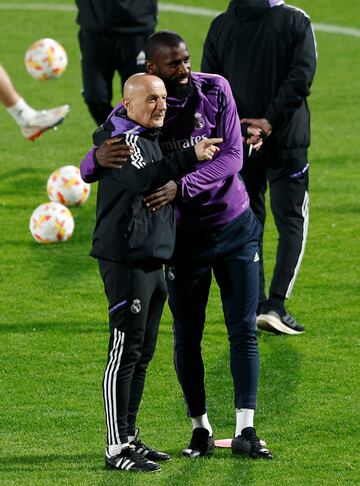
[(89, 170), (228, 161)]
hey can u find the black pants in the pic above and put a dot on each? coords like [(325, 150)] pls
[(101, 57), (288, 184), (136, 300), (231, 251)]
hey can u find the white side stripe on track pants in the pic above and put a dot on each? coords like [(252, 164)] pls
[(305, 213), (109, 387)]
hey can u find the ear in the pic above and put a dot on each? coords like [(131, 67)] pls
[(151, 67), (126, 103)]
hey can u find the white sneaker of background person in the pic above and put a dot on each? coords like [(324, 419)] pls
[(33, 122)]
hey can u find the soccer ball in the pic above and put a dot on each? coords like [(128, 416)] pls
[(46, 59), (51, 222), (66, 186)]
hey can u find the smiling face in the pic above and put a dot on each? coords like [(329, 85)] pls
[(145, 100), (172, 65)]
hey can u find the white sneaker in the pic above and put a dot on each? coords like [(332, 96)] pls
[(44, 120)]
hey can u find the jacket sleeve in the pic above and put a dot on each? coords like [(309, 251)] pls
[(210, 62), (142, 179), (296, 86), (89, 168), (228, 161)]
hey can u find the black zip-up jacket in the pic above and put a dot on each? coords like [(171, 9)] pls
[(126, 230), (117, 16), (269, 57)]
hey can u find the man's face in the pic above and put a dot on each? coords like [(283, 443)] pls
[(172, 65), (148, 105)]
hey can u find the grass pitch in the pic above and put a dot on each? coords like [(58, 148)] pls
[(53, 333)]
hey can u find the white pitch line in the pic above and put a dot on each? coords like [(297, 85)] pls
[(171, 7)]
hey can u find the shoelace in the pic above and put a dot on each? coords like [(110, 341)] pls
[(254, 439), (137, 444), (136, 457), (289, 318)]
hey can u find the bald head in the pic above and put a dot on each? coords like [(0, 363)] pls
[(141, 82), (145, 100)]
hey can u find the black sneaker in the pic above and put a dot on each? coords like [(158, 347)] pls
[(129, 460), (271, 320), (248, 443), (146, 451), (201, 444)]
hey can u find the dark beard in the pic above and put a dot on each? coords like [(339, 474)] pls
[(179, 91)]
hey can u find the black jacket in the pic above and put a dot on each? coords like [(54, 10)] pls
[(269, 57), (117, 16), (126, 230)]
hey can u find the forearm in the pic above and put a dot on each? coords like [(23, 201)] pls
[(212, 173), (155, 174)]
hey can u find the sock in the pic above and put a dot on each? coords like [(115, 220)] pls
[(202, 421), (21, 112), (244, 418), (277, 302), (115, 449), (131, 437)]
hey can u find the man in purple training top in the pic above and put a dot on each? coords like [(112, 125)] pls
[(216, 232)]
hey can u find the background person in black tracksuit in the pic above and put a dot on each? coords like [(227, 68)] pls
[(267, 52), (131, 242), (112, 36)]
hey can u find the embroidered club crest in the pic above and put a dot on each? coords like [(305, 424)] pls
[(171, 274), (198, 121), (135, 306)]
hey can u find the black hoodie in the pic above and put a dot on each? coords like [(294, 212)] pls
[(269, 57)]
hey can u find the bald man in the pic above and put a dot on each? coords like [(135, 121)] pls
[(131, 242)]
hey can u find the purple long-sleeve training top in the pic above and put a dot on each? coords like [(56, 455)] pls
[(214, 193)]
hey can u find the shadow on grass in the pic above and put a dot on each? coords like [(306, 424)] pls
[(71, 327), (223, 468), (280, 364), (43, 461), (20, 172)]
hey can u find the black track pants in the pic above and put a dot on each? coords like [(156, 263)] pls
[(101, 57), (136, 300), (289, 201)]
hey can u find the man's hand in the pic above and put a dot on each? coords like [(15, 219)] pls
[(111, 154), (254, 137), (261, 123), (205, 150), (161, 196)]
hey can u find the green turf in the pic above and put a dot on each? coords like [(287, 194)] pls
[(53, 333)]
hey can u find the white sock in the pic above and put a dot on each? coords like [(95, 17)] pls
[(202, 421), (21, 112), (115, 449), (244, 418)]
